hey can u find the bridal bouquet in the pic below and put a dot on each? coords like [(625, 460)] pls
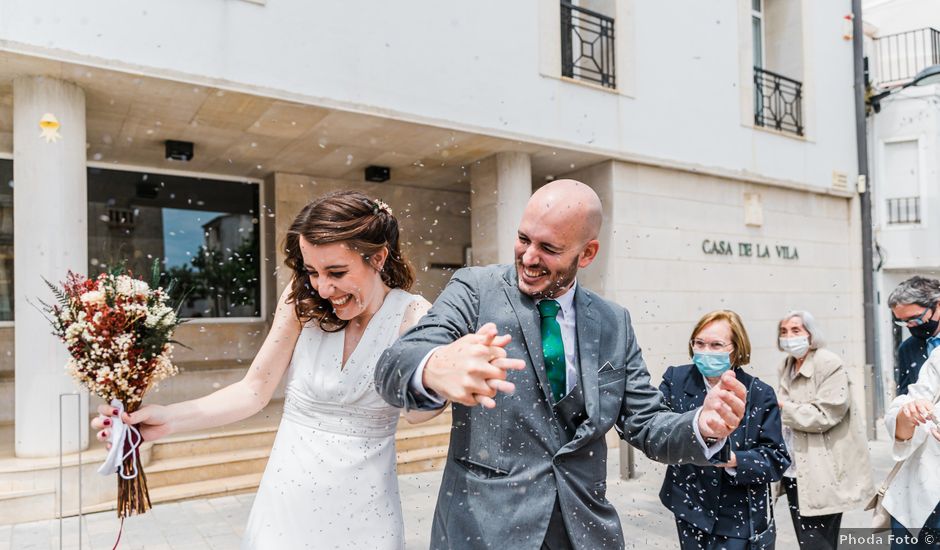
[(118, 330)]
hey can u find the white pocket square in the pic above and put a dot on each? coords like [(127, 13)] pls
[(606, 368)]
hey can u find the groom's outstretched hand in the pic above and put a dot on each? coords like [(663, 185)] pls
[(472, 369), (723, 408)]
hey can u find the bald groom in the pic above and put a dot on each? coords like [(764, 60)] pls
[(554, 366)]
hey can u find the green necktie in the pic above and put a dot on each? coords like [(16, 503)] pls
[(553, 347)]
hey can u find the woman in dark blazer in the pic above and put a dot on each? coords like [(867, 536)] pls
[(711, 502)]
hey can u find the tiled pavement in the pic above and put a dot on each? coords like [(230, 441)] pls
[(217, 524)]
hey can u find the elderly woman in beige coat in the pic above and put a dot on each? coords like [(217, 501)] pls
[(831, 473)]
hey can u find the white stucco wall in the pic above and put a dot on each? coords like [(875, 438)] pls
[(477, 66), (893, 16), (912, 116)]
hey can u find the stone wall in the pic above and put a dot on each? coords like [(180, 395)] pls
[(665, 257)]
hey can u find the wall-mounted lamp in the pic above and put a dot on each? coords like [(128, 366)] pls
[(928, 76)]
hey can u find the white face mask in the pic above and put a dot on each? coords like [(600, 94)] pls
[(797, 346)]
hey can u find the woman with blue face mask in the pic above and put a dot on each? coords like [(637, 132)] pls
[(725, 505), (817, 414)]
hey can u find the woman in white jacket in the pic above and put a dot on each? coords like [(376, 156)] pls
[(913, 498)]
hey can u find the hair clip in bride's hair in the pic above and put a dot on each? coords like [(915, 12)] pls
[(384, 207)]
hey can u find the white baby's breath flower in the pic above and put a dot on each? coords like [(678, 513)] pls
[(160, 315), (131, 287), (109, 363), (74, 331), (93, 297)]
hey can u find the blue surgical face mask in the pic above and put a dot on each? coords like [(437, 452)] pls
[(712, 364), (798, 346)]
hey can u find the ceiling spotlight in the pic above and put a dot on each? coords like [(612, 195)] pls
[(179, 150), (378, 174)]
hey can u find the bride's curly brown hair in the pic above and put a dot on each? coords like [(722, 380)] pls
[(364, 225)]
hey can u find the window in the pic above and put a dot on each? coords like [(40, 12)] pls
[(587, 42), (902, 182), (776, 37), (6, 240), (757, 31), (205, 234)]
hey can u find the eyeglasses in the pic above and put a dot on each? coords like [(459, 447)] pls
[(914, 321), (715, 345)]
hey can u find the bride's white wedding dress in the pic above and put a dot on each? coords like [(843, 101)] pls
[(330, 481)]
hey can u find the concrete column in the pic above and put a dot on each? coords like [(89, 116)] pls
[(600, 177), (500, 186), (50, 205)]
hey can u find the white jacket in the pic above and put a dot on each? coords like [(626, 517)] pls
[(915, 491)]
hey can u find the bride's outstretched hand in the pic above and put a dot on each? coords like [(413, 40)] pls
[(151, 420)]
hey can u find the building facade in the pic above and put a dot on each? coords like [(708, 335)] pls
[(720, 136), (904, 145)]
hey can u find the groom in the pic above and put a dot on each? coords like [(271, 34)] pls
[(528, 469)]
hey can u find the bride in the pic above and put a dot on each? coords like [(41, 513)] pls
[(330, 480)]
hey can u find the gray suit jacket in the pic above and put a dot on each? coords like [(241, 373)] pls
[(506, 466)]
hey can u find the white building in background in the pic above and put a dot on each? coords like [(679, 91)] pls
[(904, 148), (720, 135)]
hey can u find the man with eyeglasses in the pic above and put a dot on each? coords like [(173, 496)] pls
[(914, 305)]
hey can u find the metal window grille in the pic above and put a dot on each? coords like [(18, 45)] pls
[(587, 45), (904, 210), (778, 102)]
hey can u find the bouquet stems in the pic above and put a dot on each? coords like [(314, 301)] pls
[(133, 496)]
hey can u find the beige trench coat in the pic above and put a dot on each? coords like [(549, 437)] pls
[(833, 472)]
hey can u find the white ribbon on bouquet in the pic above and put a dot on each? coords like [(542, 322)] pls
[(121, 435)]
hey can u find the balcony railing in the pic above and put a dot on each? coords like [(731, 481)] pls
[(904, 210), (778, 102), (899, 57), (587, 45)]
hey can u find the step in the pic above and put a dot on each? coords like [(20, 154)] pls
[(421, 460), (43, 473), (216, 443), (205, 467), (233, 485), (444, 417), (421, 436), (212, 462), (27, 505), (206, 489), (256, 431)]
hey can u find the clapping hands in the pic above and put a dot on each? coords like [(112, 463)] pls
[(472, 369), (723, 408)]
